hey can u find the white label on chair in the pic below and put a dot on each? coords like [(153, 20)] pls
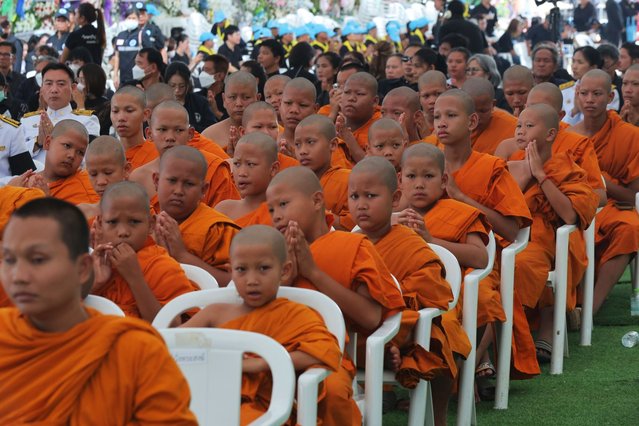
[(189, 356)]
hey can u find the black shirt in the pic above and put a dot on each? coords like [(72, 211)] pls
[(583, 18), (14, 80), (200, 114), (538, 34), (87, 36), (504, 44), (57, 42), (480, 9), (234, 56), (467, 29)]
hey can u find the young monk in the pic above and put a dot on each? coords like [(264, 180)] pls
[(128, 114), (482, 181), (188, 229), (240, 90), (261, 117), (63, 363), (374, 193), (387, 138), (273, 91), (254, 165), (517, 82), (130, 269), (315, 141), (298, 102), (62, 177), (617, 225), (402, 105), (431, 84), (342, 265), (169, 127), (557, 193), (630, 89), (259, 264)]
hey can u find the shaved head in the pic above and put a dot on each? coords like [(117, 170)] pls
[(546, 93), (241, 78), (261, 234), (408, 97), (547, 114), (380, 168), (431, 78), (366, 79), (463, 97), (135, 92), (255, 107), (303, 85), (186, 153), (126, 189), (633, 67), (324, 125), (106, 146), (519, 73), (65, 126), (277, 79), (173, 106), (425, 150), (158, 93), (599, 76), (385, 124), (479, 87), (263, 142), (299, 178)]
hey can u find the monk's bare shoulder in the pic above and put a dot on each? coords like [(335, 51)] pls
[(217, 314), (218, 132), (506, 148), (89, 210), (578, 128)]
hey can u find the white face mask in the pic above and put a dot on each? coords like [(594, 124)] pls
[(75, 68), (38, 78), (171, 54), (130, 24), (80, 87), (138, 73), (205, 79)]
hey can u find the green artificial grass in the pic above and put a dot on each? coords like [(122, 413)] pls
[(599, 386)]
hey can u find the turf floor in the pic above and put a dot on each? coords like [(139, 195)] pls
[(600, 384)]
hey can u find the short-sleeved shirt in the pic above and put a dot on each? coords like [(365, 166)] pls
[(538, 34), (87, 36), (480, 9), (129, 43), (58, 41), (12, 143)]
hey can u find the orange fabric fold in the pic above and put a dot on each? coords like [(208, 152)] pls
[(220, 180), (75, 189), (501, 127), (286, 161), (205, 144), (141, 154), (361, 134), (259, 216), (335, 188)]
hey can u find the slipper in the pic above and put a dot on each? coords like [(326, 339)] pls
[(486, 393), (544, 351), (574, 319), (485, 370)]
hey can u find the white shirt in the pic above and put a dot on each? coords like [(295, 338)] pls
[(31, 122), (568, 92), (11, 144)]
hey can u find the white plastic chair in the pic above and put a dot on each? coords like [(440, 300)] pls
[(103, 305), (211, 361), (635, 263), (466, 392), (308, 382), (200, 276), (588, 284), (507, 289)]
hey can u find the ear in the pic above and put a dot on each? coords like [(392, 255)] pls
[(147, 115), (444, 180), (127, 170), (473, 121), (241, 131), (205, 188), (397, 197), (287, 271), (147, 133), (611, 96), (152, 221), (332, 144), (315, 108), (494, 103), (156, 180), (399, 177), (550, 137), (562, 114), (47, 143), (376, 100), (191, 133), (318, 200), (84, 264)]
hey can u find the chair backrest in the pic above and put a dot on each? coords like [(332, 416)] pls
[(453, 271), (211, 361), (322, 304), (103, 305), (199, 276)]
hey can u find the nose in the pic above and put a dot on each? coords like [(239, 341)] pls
[(241, 171), (18, 272), (123, 231)]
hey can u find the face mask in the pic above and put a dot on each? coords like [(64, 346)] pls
[(138, 73), (206, 79), (2, 96), (171, 54), (130, 24), (75, 68), (80, 87), (38, 78)]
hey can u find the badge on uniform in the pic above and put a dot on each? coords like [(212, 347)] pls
[(119, 42), (2, 148), (148, 32), (198, 117), (133, 42)]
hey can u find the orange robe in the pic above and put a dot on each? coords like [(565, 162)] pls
[(501, 127), (351, 260), (421, 276), (303, 331), (205, 144), (259, 216), (325, 110), (220, 180), (162, 273), (75, 189), (534, 263), (617, 148), (207, 234), (431, 139), (485, 179), (286, 161), (361, 134), (335, 188), (341, 157), (117, 370), (141, 154)]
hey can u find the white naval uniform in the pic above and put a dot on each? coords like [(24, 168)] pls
[(568, 92), (11, 144), (31, 123)]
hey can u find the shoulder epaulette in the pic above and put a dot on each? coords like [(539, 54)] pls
[(614, 87), (566, 85), (10, 121), (32, 113), (82, 111)]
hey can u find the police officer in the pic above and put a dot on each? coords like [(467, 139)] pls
[(14, 155), (57, 83), (62, 27)]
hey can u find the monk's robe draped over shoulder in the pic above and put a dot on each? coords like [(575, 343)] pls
[(501, 127), (297, 328), (259, 216), (203, 143), (286, 161), (361, 134), (105, 370), (341, 158), (141, 154), (220, 180), (335, 188), (75, 189), (162, 273)]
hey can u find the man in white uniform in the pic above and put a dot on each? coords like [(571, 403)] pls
[(14, 156)]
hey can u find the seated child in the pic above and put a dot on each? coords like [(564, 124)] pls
[(387, 138), (402, 105), (64, 363), (298, 102), (273, 91), (299, 329), (130, 268)]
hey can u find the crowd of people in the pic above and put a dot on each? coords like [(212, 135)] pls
[(326, 159)]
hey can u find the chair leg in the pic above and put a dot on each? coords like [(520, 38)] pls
[(634, 266), (559, 321), (589, 290), (417, 415), (506, 332), (466, 392)]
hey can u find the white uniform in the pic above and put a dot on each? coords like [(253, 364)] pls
[(31, 123), (568, 92), (11, 144)]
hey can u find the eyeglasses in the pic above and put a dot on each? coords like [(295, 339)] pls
[(473, 70), (406, 58), (6, 55)]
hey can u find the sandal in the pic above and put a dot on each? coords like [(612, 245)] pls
[(485, 370), (544, 351), (574, 319)]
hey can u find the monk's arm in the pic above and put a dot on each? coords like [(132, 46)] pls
[(623, 194), (559, 202), (505, 149), (603, 198), (506, 226), (357, 153), (222, 277), (204, 318), (147, 303), (302, 360), (471, 254)]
